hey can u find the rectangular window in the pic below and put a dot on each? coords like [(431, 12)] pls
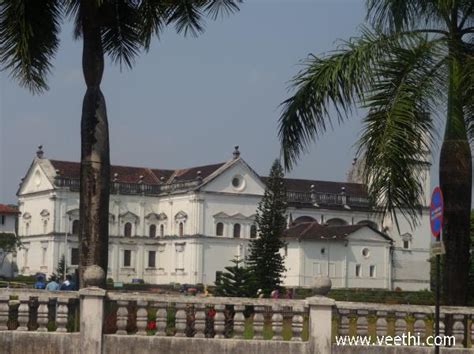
[(151, 259), (372, 271), (127, 258), (358, 270), (406, 244), (74, 256), (3, 219)]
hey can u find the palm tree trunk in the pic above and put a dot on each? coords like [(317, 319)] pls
[(95, 155), (455, 173)]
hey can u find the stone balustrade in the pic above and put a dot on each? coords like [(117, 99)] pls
[(368, 319), (205, 317), (124, 322), (39, 310)]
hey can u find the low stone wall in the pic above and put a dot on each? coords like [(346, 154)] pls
[(118, 344), (19, 342), (337, 349)]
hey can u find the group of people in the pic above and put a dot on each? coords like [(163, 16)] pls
[(54, 284)]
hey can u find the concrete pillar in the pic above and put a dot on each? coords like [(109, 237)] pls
[(320, 324), (92, 318)]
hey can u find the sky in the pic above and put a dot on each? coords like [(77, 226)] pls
[(189, 100)]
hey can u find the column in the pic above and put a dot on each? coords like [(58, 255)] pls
[(92, 317), (320, 324)]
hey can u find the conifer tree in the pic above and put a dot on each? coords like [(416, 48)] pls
[(235, 281), (265, 259)]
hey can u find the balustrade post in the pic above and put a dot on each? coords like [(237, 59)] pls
[(61, 314), (4, 311), (400, 323), (142, 317), (161, 319), (320, 324), (23, 312), (180, 320), (92, 319), (219, 321), (344, 322), (277, 322), (297, 323), (239, 322), (122, 317), (258, 321), (458, 330), (199, 320), (43, 314)]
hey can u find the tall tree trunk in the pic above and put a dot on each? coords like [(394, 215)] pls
[(455, 174), (95, 156)]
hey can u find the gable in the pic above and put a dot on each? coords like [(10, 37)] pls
[(224, 182), (367, 234), (37, 178)]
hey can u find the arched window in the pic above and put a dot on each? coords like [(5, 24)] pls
[(369, 223), (219, 229), (236, 230), (153, 230), (127, 230), (75, 227), (27, 229), (181, 229), (336, 222), (162, 230), (45, 226), (253, 231)]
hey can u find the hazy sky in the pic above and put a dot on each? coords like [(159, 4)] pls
[(189, 101)]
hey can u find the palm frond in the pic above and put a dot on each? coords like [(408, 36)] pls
[(402, 15), (187, 16), (217, 8), (398, 130), (29, 40), (338, 80), (121, 31)]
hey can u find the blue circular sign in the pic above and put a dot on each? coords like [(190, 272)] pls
[(436, 212)]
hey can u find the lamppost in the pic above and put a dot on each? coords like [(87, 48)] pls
[(68, 225)]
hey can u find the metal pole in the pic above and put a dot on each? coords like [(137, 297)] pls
[(438, 271), (68, 224)]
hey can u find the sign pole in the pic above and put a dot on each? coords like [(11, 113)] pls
[(438, 271), (436, 223)]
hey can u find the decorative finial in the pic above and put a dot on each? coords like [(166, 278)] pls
[(115, 177), (343, 190), (162, 178), (354, 161), (40, 152), (140, 179), (236, 152), (198, 175)]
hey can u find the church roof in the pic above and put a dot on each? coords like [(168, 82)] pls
[(130, 174), (315, 231), (7, 209)]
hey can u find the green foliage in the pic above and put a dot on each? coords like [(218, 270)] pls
[(398, 70), (265, 259), (9, 242), (30, 30), (235, 281), (61, 269)]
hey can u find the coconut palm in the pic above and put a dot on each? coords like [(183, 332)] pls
[(414, 62), (121, 29)]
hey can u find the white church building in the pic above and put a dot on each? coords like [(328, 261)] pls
[(184, 225)]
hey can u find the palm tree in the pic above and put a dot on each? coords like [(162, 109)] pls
[(415, 58), (121, 29)]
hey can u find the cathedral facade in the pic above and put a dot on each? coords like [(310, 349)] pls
[(186, 225)]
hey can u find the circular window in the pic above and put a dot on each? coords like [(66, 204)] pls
[(366, 252), (238, 182)]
